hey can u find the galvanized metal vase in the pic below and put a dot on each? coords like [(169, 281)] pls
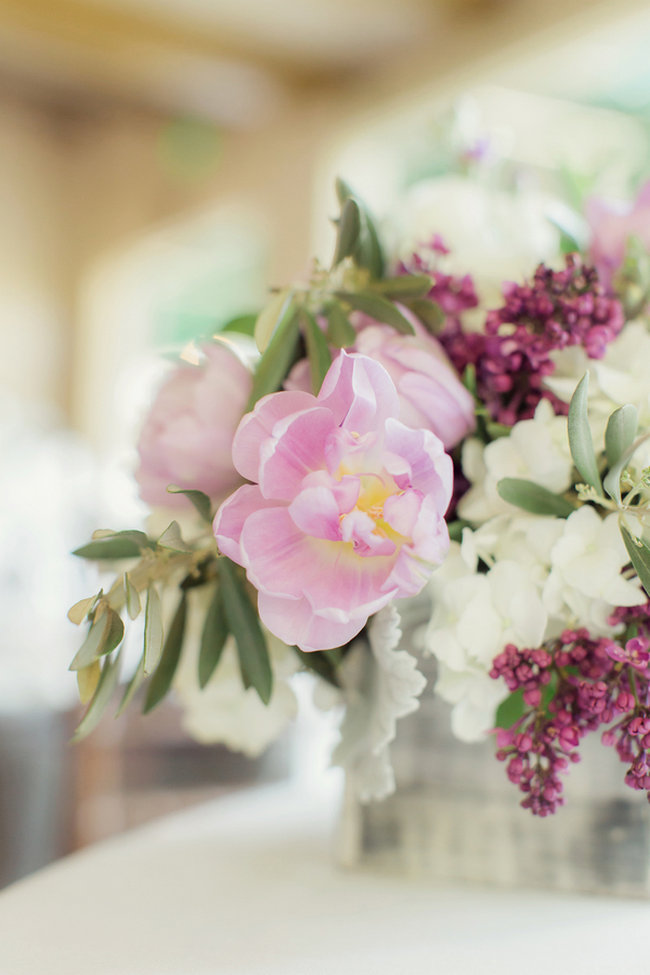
[(456, 817)]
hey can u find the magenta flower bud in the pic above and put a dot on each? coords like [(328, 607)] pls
[(533, 697), (625, 701), (515, 768), (523, 742), (569, 737)]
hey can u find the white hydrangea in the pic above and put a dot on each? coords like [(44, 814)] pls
[(379, 688), (621, 376), (474, 616), (585, 582), (525, 539), (224, 711), (494, 235), (535, 450), (475, 698)]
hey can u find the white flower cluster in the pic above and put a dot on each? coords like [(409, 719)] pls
[(544, 574), (225, 712), (500, 235), (621, 376)]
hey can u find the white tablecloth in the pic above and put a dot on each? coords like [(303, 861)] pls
[(248, 885)]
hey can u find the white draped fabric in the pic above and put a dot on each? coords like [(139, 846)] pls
[(248, 886)]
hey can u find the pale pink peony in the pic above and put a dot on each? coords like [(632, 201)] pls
[(611, 224), (347, 509), (431, 395), (187, 437)]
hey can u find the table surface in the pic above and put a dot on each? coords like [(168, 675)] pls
[(247, 884)]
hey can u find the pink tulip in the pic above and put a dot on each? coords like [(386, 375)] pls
[(346, 512), (187, 437), (431, 395), (611, 224)]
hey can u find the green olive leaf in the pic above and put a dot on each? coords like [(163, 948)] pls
[(163, 675), (377, 307), (318, 351), (106, 686), (243, 622), (580, 440), (213, 638), (533, 497)]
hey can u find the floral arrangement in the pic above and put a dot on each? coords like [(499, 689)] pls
[(406, 433)]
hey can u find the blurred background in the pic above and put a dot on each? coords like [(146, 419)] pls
[(161, 163)]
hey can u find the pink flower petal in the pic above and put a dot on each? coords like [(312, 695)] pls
[(296, 448), (229, 519), (315, 512), (257, 426), (430, 535), (283, 561), (409, 574), (360, 529), (447, 413), (295, 622), (431, 469), (352, 453), (401, 511), (187, 437), (430, 392), (359, 392), (345, 491)]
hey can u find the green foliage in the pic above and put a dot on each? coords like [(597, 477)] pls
[(105, 688), (514, 706), (277, 310), (403, 287), (153, 631), (349, 230), (200, 500), (632, 280), (105, 634), (132, 598), (172, 539), (580, 442), (320, 664), (131, 688), (456, 529), (510, 710), (377, 307), (276, 359), (367, 252), (619, 440), (639, 552), (244, 624), (114, 545), (429, 312), (242, 324), (533, 497), (163, 675), (318, 351), (339, 330), (469, 379), (213, 638), (620, 433)]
